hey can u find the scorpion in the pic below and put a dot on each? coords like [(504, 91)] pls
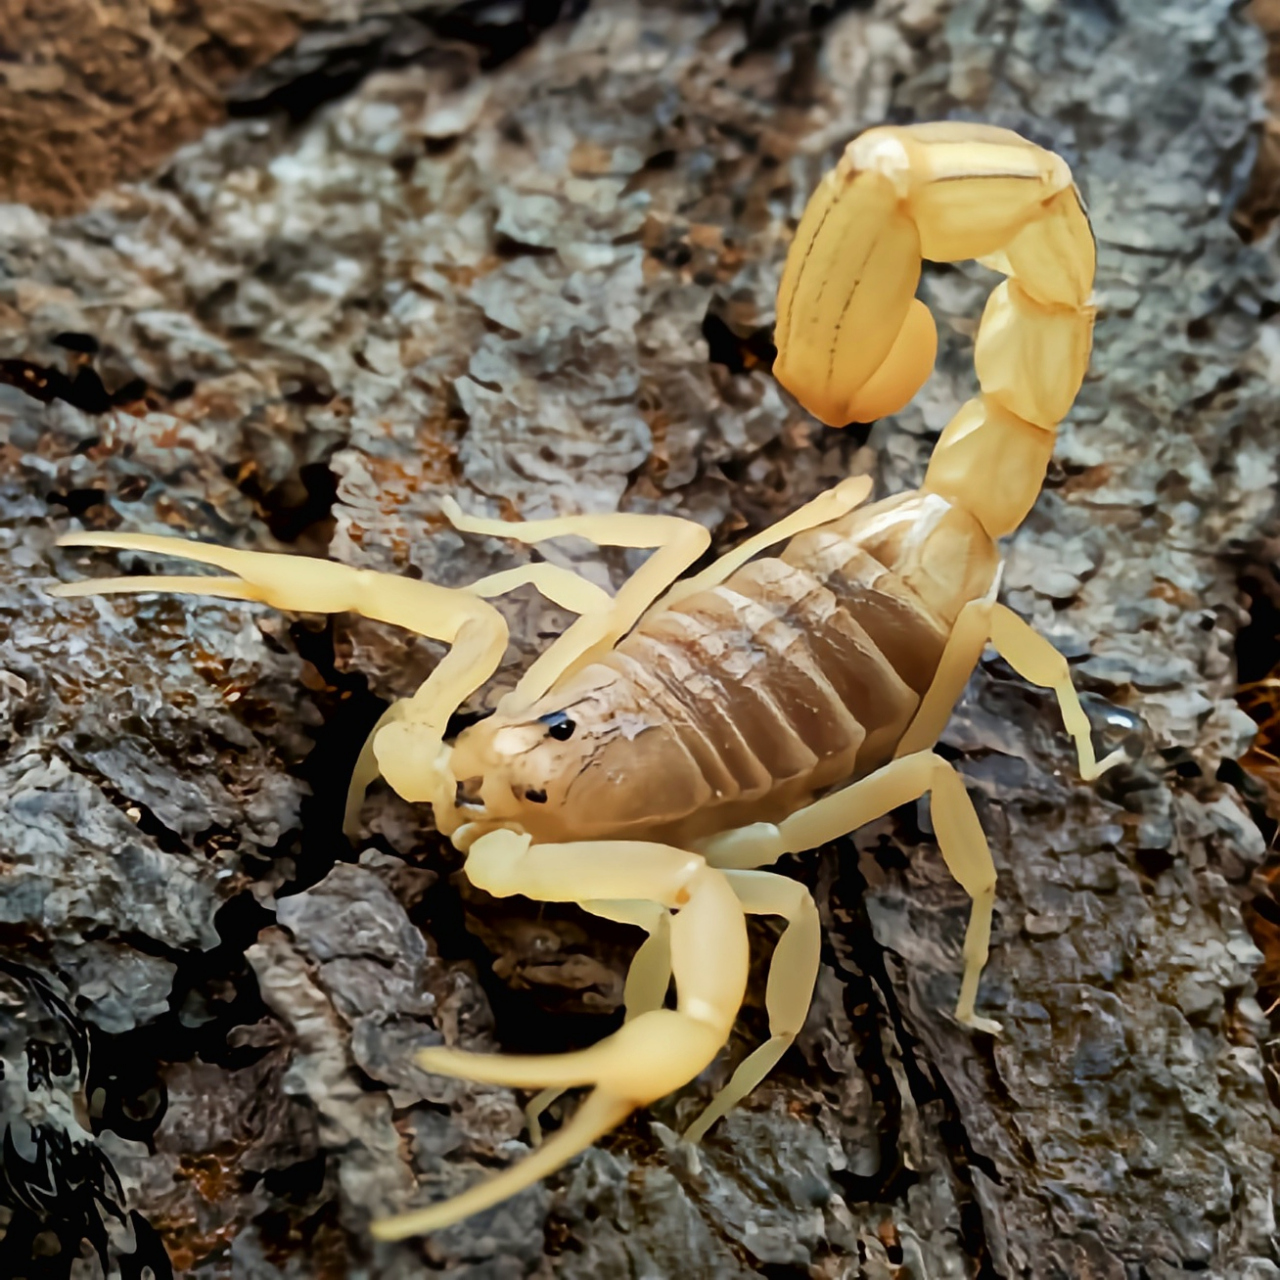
[(683, 734)]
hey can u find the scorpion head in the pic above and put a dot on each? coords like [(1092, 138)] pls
[(576, 764)]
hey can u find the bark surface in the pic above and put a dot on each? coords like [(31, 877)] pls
[(535, 270)]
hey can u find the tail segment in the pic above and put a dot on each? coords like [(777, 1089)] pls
[(854, 343)]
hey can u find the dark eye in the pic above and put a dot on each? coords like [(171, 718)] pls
[(559, 726), (535, 796)]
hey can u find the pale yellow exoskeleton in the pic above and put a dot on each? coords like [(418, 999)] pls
[(682, 735)]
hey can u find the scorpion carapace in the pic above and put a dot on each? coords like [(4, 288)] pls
[(687, 732)]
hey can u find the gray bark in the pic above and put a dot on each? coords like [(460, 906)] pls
[(544, 287)]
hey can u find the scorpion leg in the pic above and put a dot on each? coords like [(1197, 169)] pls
[(677, 544), (1038, 662), (1028, 653), (409, 746), (960, 656), (652, 1054), (647, 979), (827, 506), (792, 975), (960, 838), (561, 586)]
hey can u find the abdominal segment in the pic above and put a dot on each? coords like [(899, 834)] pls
[(802, 671)]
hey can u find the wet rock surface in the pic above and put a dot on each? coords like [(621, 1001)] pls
[(546, 285)]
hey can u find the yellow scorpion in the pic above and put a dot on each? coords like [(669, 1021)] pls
[(684, 733)]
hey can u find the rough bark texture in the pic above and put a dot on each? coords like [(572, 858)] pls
[(544, 282)]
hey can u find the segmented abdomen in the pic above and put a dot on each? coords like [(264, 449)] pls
[(803, 670)]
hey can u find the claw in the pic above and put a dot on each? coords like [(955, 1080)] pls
[(644, 1059), (237, 588), (172, 584), (599, 1113)]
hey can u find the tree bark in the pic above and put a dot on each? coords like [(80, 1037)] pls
[(534, 269)]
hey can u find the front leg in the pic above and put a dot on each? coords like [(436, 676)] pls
[(793, 972), (648, 978), (652, 1054), (409, 744), (677, 544)]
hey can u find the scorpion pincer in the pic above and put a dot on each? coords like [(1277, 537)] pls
[(685, 733)]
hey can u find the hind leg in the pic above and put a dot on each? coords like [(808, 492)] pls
[(1028, 653), (960, 838), (1038, 662), (652, 1054), (960, 657)]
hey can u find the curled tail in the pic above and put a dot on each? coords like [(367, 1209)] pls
[(854, 343)]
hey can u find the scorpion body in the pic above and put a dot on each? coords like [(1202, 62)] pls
[(740, 702), (685, 733)]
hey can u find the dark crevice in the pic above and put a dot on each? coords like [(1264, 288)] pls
[(328, 62), (737, 351), (75, 381), (349, 710), (212, 993), (868, 987), (77, 501), (1257, 774), (299, 1183), (1258, 641), (84, 344), (866, 991), (771, 23), (290, 1236), (300, 504), (82, 388), (784, 1271), (508, 248), (521, 1021)]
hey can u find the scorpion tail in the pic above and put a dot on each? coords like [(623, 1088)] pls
[(853, 342)]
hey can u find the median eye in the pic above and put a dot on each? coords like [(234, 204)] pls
[(559, 726)]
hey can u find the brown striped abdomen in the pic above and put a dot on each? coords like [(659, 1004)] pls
[(803, 670)]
